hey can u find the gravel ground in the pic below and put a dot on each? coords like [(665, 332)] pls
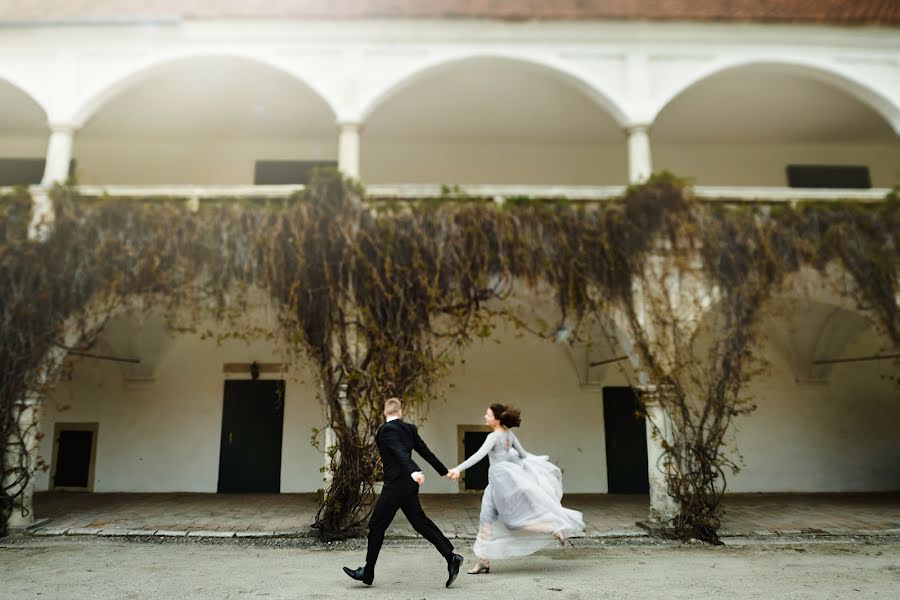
[(116, 568)]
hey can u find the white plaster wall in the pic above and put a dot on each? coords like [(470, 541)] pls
[(166, 437), (187, 161), (62, 67), (764, 164), (231, 161), (559, 418), (71, 70), (406, 161), (840, 437), (23, 147)]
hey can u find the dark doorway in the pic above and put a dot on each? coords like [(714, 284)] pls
[(252, 423), (476, 477), (626, 441), (73, 459)]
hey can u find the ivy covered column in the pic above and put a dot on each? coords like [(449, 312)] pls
[(19, 454), (640, 163), (20, 461), (660, 433), (59, 153), (348, 148)]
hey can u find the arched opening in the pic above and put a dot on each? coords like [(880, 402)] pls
[(745, 126), (820, 423), (207, 120), (23, 137), (491, 120)]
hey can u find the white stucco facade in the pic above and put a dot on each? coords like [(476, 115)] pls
[(578, 103), (592, 105), (836, 434)]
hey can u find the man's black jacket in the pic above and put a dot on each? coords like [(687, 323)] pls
[(396, 440)]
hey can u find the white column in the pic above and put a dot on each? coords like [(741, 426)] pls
[(59, 153), (348, 149), (26, 416), (17, 457), (42, 215), (640, 164), (663, 507)]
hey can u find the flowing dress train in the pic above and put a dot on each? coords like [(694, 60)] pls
[(521, 508)]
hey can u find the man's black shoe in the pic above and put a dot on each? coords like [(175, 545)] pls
[(360, 575), (453, 565)]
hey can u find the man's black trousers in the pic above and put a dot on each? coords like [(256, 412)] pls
[(401, 494)]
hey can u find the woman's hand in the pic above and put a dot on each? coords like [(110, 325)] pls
[(453, 474)]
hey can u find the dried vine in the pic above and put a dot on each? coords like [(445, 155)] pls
[(380, 296)]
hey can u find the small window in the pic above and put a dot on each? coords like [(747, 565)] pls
[(21, 171), (828, 176), (24, 171), (281, 172)]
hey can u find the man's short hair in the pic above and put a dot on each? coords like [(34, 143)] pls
[(392, 406)]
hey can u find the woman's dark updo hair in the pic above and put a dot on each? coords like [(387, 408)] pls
[(509, 416)]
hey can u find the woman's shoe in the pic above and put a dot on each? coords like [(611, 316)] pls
[(560, 538), (480, 568)]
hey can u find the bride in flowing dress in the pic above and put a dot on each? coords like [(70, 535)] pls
[(520, 510)]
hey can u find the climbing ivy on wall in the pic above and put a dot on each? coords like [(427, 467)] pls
[(380, 296)]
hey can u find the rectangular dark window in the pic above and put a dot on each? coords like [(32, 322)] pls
[(828, 176), (21, 171), (281, 172), (24, 171)]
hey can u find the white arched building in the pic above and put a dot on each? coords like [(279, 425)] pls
[(219, 101)]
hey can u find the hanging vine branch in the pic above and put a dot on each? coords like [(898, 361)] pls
[(380, 297)]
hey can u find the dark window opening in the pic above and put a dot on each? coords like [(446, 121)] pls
[(24, 171), (829, 176)]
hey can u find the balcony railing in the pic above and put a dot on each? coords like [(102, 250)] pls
[(498, 192)]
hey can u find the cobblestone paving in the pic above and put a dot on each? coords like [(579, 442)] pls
[(457, 515)]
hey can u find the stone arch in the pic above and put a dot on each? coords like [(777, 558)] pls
[(23, 133), (816, 331), (137, 73), (603, 98), (829, 73), (22, 88), (812, 301)]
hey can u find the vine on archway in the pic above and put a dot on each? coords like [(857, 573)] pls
[(381, 295)]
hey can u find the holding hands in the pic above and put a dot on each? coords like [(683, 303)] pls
[(453, 474)]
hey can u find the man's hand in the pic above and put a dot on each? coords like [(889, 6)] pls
[(453, 474), (419, 477)]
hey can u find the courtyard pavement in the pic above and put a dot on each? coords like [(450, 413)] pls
[(97, 568), (606, 516)]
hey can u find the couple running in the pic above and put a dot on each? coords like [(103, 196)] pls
[(520, 510)]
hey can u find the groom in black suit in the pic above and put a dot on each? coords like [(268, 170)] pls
[(396, 440)]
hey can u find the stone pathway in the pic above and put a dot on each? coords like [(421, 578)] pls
[(225, 515)]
